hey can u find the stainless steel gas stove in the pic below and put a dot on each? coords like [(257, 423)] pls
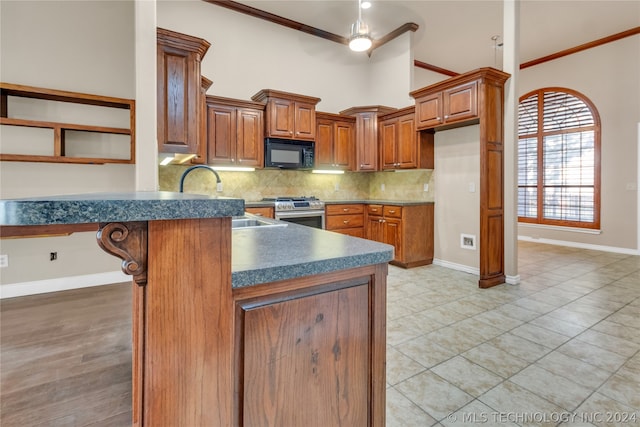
[(302, 210)]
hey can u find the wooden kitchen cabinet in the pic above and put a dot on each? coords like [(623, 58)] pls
[(409, 229), (345, 219), (335, 136), (446, 107), (366, 151), (467, 99), (288, 115), (311, 352), (398, 140), (234, 132), (266, 211), (179, 100)]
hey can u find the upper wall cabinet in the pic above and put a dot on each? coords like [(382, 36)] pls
[(335, 135), (366, 151), (180, 93), (449, 106), (235, 134), (398, 140), (288, 115)]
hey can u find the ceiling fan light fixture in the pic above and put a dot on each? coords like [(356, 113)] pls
[(360, 40), (365, 4)]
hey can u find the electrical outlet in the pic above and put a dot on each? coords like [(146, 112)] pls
[(336, 188), (219, 187), (472, 187), (425, 188), (53, 256), (4, 261), (381, 187)]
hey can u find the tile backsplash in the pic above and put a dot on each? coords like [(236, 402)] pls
[(253, 186)]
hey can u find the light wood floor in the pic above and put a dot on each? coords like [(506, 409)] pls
[(66, 358)]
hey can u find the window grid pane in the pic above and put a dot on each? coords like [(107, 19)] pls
[(565, 111), (528, 116), (569, 204)]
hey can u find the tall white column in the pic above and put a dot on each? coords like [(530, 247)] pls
[(146, 123), (511, 65)]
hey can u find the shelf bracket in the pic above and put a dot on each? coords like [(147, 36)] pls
[(127, 241)]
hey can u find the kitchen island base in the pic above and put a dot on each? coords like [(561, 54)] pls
[(305, 351)]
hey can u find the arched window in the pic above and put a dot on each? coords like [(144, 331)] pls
[(558, 159)]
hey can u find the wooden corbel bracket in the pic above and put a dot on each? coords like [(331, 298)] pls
[(127, 241)]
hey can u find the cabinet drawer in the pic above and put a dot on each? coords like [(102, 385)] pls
[(344, 209), (266, 212), (344, 221), (355, 232), (374, 210), (392, 212)]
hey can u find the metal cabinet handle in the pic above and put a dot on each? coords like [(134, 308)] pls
[(392, 212), (345, 209), (346, 221)]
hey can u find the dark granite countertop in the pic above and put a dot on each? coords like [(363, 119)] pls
[(115, 207), (266, 255), (259, 255)]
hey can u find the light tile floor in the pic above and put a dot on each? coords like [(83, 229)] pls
[(563, 347)]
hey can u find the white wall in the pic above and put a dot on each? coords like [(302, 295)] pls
[(391, 69), (457, 210), (249, 54), (609, 76), (76, 46)]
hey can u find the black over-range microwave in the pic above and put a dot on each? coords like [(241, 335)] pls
[(288, 153)]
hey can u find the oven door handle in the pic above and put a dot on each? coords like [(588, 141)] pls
[(298, 214)]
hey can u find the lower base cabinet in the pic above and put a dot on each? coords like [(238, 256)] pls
[(312, 356), (346, 219), (409, 229)]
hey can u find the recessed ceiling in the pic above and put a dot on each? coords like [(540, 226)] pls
[(456, 35)]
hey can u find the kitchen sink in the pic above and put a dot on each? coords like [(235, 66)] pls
[(253, 221)]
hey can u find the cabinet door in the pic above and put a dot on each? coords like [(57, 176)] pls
[(429, 111), (221, 134), (407, 147), (324, 144), (305, 121), (375, 228), (343, 145), (280, 118), (367, 142), (460, 103), (312, 348), (388, 143), (178, 100), (250, 139), (393, 236)]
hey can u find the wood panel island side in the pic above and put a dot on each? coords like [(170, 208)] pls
[(281, 326)]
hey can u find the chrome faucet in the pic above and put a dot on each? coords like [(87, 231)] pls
[(185, 173)]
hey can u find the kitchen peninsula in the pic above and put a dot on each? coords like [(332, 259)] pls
[(292, 332)]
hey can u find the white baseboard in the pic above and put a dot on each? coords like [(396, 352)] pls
[(602, 248), (456, 266), (513, 280), (13, 290)]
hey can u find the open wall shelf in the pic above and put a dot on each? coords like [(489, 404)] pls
[(71, 141)]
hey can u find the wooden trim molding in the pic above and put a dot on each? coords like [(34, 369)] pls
[(299, 26), (434, 68), (580, 48), (543, 59)]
